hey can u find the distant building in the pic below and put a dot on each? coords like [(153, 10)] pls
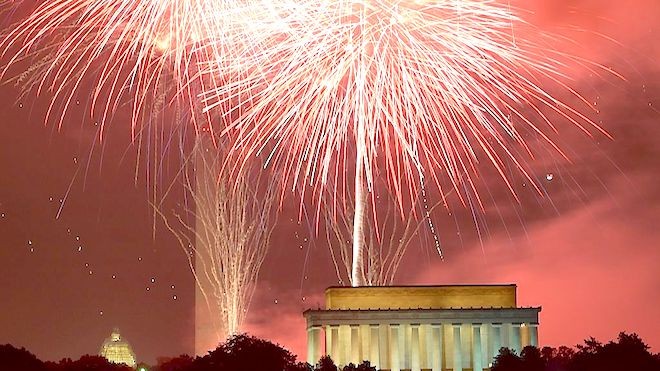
[(460, 327), (116, 350)]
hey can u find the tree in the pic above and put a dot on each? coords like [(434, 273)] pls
[(557, 359), (326, 364), (531, 359), (364, 366), (180, 363), (629, 352), (12, 358), (507, 360), (88, 363), (248, 353)]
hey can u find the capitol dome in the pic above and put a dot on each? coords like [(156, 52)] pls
[(116, 350)]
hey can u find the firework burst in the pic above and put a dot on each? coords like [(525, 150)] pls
[(407, 90)]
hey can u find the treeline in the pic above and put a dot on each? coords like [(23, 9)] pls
[(627, 353), (246, 353)]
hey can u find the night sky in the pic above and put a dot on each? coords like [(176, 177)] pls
[(78, 253)]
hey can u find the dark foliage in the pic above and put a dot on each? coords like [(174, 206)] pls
[(627, 353), (12, 358), (180, 363), (248, 353), (325, 364), (364, 366), (87, 363)]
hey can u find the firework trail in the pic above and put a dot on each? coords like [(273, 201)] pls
[(228, 241), (386, 239), (406, 90)]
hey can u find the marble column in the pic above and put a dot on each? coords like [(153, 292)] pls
[(495, 342), (414, 348), (534, 334), (477, 357), (374, 342), (313, 344), (333, 344), (434, 347), (354, 350), (514, 338), (383, 346), (395, 356), (458, 351), (344, 345), (365, 337)]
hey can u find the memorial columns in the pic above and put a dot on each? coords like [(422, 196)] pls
[(458, 351), (534, 334), (365, 341), (477, 356), (383, 350), (414, 348), (374, 342), (395, 347), (354, 350), (496, 341), (434, 347), (333, 345), (313, 344), (514, 338)]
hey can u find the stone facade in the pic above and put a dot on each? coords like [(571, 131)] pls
[(420, 327)]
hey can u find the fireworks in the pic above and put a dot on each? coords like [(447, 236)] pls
[(412, 91), (142, 53), (229, 239), (407, 90)]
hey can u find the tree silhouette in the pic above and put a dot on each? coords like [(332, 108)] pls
[(629, 352), (531, 359), (507, 360), (12, 358), (181, 363), (248, 353), (557, 359), (88, 363), (364, 366), (326, 364)]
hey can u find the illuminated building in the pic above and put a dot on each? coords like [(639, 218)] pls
[(116, 350), (460, 327)]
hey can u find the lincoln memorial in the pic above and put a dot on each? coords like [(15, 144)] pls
[(458, 327)]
